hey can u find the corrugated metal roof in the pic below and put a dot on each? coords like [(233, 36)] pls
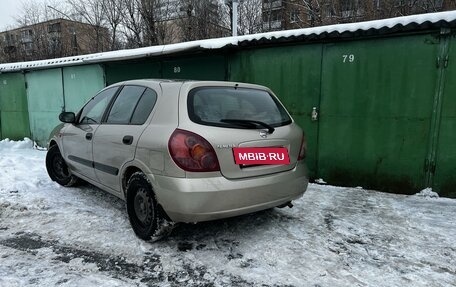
[(368, 28)]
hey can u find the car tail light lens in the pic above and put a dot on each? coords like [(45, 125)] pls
[(191, 152), (303, 149)]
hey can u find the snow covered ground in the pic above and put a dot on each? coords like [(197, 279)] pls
[(55, 236)]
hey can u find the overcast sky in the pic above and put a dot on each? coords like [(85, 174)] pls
[(9, 9)]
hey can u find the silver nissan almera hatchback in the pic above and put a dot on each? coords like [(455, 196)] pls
[(182, 151)]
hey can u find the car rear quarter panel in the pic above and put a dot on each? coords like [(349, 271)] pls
[(152, 149)]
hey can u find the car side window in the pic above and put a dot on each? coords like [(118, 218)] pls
[(144, 107), (126, 102), (93, 111)]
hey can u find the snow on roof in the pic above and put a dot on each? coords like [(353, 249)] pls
[(440, 19)]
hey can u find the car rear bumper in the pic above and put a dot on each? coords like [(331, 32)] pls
[(202, 199)]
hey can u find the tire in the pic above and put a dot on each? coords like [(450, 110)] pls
[(57, 168), (142, 207)]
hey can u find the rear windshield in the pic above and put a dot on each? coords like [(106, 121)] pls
[(222, 106)]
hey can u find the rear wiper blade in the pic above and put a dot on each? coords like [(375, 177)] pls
[(249, 122)]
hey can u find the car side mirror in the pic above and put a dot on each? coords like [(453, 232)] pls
[(67, 117)]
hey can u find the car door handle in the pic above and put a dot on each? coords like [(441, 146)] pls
[(89, 136), (128, 140)]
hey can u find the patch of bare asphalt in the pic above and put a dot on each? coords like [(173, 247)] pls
[(150, 272)]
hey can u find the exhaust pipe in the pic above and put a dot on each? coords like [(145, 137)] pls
[(289, 204)]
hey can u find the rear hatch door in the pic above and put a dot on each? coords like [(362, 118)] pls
[(242, 116)]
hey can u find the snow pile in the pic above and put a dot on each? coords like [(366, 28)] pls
[(428, 193), (320, 181), (22, 154), (9, 144)]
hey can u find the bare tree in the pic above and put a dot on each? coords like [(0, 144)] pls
[(311, 12), (148, 10), (132, 23), (250, 19), (34, 42), (49, 31), (114, 11), (31, 13), (203, 20), (148, 22), (8, 52), (139, 23), (167, 13), (93, 13), (31, 40)]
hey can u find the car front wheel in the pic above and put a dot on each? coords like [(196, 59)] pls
[(57, 168)]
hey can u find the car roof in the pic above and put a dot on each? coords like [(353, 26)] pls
[(179, 82), (147, 81)]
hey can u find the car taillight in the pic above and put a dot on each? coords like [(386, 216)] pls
[(191, 152), (303, 149)]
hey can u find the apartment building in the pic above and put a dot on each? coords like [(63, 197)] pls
[(52, 39), (292, 14)]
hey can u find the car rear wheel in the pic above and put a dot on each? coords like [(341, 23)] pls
[(57, 168), (142, 207)]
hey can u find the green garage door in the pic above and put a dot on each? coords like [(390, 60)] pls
[(293, 74), (122, 71), (45, 102), (80, 84), (195, 67), (14, 119), (376, 108), (445, 165)]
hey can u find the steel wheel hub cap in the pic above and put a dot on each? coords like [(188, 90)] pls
[(60, 167), (141, 205)]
